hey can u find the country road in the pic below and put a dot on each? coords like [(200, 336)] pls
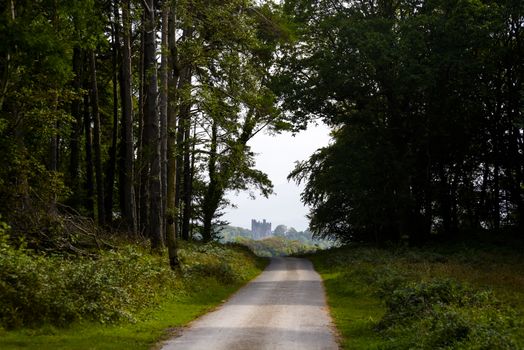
[(284, 308)]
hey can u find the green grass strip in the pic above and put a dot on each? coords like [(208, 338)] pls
[(143, 334), (154, 324)]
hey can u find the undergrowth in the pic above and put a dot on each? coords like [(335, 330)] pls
[(449, 298), (109, 287)]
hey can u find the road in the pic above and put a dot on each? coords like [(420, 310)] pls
[(283, 308)]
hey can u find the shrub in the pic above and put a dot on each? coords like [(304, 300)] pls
[(443, 314), (36, 289), (114, 286)]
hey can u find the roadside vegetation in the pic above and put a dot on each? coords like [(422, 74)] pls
[(120, 298), (453, 297)]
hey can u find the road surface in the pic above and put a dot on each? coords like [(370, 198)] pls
[(284, 308)]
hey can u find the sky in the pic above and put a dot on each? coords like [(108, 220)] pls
[(276, 156)]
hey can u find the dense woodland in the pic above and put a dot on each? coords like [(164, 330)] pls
[(137, 115), (425, 99)]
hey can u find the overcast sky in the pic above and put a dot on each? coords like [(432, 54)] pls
[(276, 156)]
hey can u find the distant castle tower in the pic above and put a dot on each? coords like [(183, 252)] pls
[(260, 229)]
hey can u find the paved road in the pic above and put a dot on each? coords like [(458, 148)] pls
[(284, 308)]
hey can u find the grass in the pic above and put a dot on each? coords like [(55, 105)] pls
[(358, 281), (354, 312), (140, 335), (209, 274)]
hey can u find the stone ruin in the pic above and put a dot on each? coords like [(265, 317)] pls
[(260, 229)]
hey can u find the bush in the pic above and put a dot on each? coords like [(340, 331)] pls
[(443, 314), (37, 289)]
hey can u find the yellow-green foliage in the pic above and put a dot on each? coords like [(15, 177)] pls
[(114, 286), (448, 298), (275, 246)]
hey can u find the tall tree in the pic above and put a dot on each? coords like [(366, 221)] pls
[(163, 105), (171, 227), (416, 93), (96, 139), (76, 133), (127, 185), (151, 146), (113, 151)]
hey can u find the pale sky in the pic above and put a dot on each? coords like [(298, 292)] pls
[(276, 156)]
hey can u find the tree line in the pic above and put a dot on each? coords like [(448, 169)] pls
[(426, 100), (134, 113), (138, 114)]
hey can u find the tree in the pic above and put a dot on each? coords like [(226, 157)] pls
[(280, 230), (414, 94), (171, 200), (151, 143), (234, 100), (96, 139), (71, 74), (127, 188)]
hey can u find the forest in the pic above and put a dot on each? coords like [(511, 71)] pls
[(135, 115), (124, 124)]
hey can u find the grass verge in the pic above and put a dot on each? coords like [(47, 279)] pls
[(209, 274), (442, 298)]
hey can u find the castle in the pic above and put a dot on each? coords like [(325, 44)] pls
[(260, 229)]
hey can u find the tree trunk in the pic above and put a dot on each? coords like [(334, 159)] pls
[(53, 149), (76, 133), (96, 141), (171, 232), (179, 162), (193, 157), (183, 148), (210, 204), (143, 169), (164, 109), (90, 189), (5, 63), (111, 165), (151, 145), (186, 217), (127, 187), (185, 80), (496, 193)]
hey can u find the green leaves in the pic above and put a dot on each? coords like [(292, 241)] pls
[(409, 87), (442, 314)]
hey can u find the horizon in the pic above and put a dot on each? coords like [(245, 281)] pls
[(284, 207)]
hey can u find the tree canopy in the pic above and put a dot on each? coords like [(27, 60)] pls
[(425, 101), (138, 115)]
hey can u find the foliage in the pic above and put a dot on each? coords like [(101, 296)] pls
[(425, 144), (74, 129), (234, 100), (433, 298), (229, 233), (35, 59), (291, 240), (115, 286), (444, 314), (276, 246)]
